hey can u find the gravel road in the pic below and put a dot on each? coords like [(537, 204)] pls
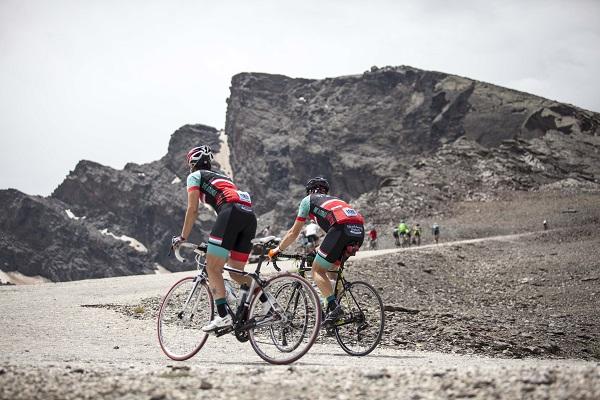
[(59, 341)]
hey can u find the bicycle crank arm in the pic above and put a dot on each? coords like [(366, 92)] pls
[(222, 331)]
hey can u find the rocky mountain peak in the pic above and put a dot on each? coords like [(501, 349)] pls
[(394, 141), (360, 130)]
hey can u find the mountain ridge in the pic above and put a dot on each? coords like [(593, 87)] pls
[(395, 141)]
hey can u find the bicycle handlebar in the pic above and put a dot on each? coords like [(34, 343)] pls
[(201, 247)]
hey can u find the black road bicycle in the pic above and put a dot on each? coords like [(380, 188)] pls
[(281, 330), (360, 328)]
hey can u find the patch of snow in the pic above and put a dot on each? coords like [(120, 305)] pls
[(301, 99), (175, 180), (141, 174), (20, 279), (132, 242), (70, 214), (159, 269)]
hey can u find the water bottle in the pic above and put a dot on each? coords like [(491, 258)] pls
[(230, 294), (242, 296)]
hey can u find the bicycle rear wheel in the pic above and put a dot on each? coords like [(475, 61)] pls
[(360, 329), (289, 330), (186, 307)]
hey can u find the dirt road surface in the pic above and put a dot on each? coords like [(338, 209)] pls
[(54, 347)]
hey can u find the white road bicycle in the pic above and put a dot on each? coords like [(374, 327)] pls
[(280, 335)]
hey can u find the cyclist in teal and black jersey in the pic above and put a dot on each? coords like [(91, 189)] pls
[(230, 237), (344, 226)]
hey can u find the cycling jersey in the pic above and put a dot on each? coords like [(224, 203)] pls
[(327, 211), (403, 228), (216, 189), (235, 226), (343, 224)]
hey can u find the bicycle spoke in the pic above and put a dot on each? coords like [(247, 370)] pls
[(295, 320), (184, 310)]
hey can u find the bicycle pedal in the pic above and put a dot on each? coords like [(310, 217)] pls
[(221, 331)]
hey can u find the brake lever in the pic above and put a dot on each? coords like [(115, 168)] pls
[(275, 266)]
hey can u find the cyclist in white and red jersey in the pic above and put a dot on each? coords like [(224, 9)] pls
[(344, 227), (230, 237)]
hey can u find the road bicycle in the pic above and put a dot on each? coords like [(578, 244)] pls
[(280, 330), (359, 330)]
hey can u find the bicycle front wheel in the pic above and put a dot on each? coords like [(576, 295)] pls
[(360, 329), (289, 327), (186, 307)]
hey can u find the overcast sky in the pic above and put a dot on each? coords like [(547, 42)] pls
[(109, 81)]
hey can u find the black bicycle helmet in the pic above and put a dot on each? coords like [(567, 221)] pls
[(317, 184)]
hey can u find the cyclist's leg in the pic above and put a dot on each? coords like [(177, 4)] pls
[(327, 255), (221, 241), (244, 221), (330, 255)]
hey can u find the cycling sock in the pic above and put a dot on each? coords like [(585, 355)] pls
[(331, 305), (221, 307)]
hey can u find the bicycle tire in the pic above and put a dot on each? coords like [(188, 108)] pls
[(262, 337), (179, 337), (359, 331)]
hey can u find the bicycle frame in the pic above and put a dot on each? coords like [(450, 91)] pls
[(240, 324)]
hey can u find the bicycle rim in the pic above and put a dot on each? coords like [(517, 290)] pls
[(180, 317), (284, 337), (359, 331)]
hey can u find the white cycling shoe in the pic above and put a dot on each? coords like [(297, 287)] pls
[(218, 323)]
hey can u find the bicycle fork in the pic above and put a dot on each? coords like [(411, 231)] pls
[(182, 314)]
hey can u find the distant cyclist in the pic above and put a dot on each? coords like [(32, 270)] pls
[(396, 236), (435, 230), (403, 231), (373, 239), (344, 227), (230, 237), (416, 234)]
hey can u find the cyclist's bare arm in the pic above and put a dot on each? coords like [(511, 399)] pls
[(191, 214), (291, 235)]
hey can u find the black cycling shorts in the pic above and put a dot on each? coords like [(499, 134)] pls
[(337, 238), (234, 229)]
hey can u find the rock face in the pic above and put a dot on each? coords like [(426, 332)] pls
[(37, 237), (141, 205), (394, 141), (400, 133)]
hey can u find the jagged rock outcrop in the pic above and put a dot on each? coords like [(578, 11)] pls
[(38, 237), (142, 204), (395, 141), (375, 132), (146, 201)]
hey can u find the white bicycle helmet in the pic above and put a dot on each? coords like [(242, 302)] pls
[(201, 155)]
